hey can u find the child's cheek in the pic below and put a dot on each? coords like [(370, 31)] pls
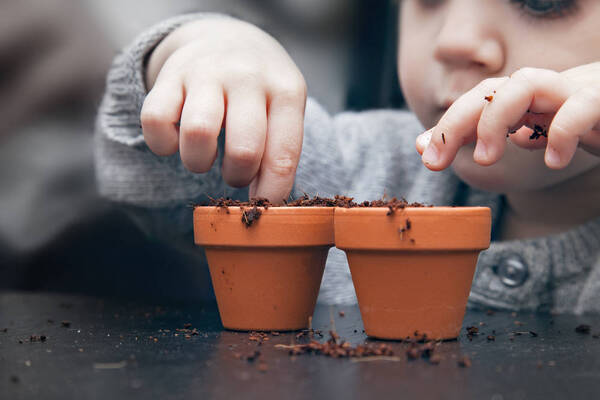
[(413, 83)]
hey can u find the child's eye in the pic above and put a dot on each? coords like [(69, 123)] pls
[(547, 8)]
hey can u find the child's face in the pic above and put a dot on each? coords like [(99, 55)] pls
[(449, 46)]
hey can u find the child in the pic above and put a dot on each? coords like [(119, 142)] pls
[(466, 69)]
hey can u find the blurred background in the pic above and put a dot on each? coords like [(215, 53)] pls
[(55, 232)]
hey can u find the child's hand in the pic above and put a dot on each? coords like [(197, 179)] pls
[(223, 72), (564, 106)]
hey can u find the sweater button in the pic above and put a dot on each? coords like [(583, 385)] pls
[(512, 272)]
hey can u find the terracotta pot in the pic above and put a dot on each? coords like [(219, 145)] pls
[(412, 270), (266, 276)]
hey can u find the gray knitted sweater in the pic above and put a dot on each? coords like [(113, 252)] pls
[(362, 155)]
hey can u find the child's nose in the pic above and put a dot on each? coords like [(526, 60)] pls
[(469, 39)]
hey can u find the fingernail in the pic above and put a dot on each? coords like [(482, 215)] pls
[(423, 139), (481, 152), (431, 155), (552, 157)]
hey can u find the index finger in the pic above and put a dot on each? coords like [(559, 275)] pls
[(458, 126), (282, 150)]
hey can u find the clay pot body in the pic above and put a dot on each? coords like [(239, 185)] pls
[(266, 276), (412, 270)]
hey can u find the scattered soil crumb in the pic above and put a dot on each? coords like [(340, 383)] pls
[(472, 331), (464, 362), (583, 329), (538, 131), (263, 367), (337, 348)]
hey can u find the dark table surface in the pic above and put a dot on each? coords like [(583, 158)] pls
[(117, 349)]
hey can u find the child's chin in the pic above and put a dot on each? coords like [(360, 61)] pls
[(510, 174), (483, 178), (519, 170)]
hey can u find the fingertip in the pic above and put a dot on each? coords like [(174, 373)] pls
[(160, 113), (481, 155), (432, 158), (236, 182), (275, 195), (160, 134), (198, 143), (276, 178), (197, 163), (431, 155), (486, 153), (241, 164), (553, 159), (422, 141)]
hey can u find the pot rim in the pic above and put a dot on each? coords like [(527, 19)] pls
[(277, 227), (413, 228), (417, 210), (272, 210)]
